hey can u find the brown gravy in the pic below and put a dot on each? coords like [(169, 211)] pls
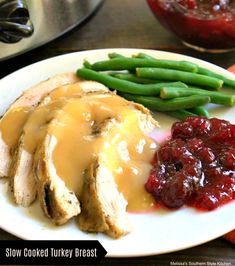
[(79, 126)]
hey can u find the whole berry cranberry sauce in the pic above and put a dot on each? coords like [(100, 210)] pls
[(196, 166)]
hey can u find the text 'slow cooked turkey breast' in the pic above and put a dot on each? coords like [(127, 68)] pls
[(103, 129), (13, 120), (22, 179)]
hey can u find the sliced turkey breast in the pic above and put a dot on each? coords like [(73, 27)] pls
[(108, 189), (58, 196), (57, 201), (76, 151), (13, 120), (78, 147), (103, 206), (22, 179)]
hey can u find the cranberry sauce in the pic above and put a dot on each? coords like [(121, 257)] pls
[(196, 166), (207, 24)]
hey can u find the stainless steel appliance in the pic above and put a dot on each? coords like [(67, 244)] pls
[(25, 25)]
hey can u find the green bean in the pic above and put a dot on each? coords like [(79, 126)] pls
[(173, 75), (179, 103), (201, 70), (216, 97), (180, 114), (134, 78), (200, 110), (144, 56), (115, 55), (207, 72), (124, 85), (125, 63), (171, 92), (87, 64)]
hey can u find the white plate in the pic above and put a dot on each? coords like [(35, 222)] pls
[(154, 233)]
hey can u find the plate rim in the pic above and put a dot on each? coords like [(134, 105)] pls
[(120, 50)]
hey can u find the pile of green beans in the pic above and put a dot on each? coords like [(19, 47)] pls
[(178, 88)]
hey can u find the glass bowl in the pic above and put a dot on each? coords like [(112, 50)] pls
[(203, 25)]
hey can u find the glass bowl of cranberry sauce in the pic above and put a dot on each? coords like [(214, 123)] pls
[(205, 25)]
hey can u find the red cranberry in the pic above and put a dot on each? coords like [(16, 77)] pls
[(192, 170), (196, 166), (213, 172), (232, 128), (181, 130), (152, 182), (206, 155), (221, 130), (227, 159), (206, 200), (195, 144), (196, 121), (175, 192), (204, 128), (165, 153)]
